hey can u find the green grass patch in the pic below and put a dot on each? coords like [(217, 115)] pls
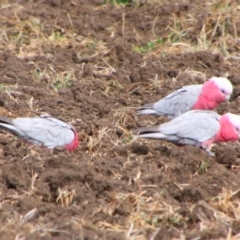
[(149, 46), (63, 80), (116, 2)]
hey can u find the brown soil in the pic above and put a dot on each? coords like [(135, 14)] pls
[(77, 60)]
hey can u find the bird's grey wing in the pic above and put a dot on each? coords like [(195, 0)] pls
[(179, 101), (63, 132), (43, 131), (57, 121), (197, 125)]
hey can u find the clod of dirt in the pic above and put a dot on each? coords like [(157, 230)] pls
[(236, 93), (15, 176), (26, 206), (139, 148), (135, 77), (236, 227), (185, 78), (166, 234), (100, 185), (223, 108), (122, 100), (172, 73), (123, 209), (190, 194), (120, 151), (4, 140), (209, 59), (164, 150), (226, 155), (119, 132)]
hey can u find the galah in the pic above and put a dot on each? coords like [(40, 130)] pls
[(44, 130), (196, 127), (191, 97)]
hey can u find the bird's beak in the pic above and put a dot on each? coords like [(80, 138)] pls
[(227, 96)]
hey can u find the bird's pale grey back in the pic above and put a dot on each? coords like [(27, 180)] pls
[(179, 101), (198, 125), (50, 131)]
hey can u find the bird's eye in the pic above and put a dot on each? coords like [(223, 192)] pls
[(223, 91), (237, 128)]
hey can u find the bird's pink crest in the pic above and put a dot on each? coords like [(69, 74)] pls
[(230, 128), (214, 91), (73, 145)]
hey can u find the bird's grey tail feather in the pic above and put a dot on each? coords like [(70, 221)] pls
[(147, 105), (7, 124), (152, 135), (147, 109), (150, 132), (6, 120), (143, 130)]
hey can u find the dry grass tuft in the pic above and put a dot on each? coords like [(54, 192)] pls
[(147, 214), (22, 226), (122, 117), (143, 213), (95, 141), (228, 202), (190, 31), (219, 212), (65, 197)]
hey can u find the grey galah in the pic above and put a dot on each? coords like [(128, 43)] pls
[(196, 127), (192, 97), (44, 130)]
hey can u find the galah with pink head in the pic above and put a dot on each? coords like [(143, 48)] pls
[(192, 97), (196, 127), (43, 130)]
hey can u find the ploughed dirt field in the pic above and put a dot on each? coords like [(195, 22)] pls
[(92, 63)]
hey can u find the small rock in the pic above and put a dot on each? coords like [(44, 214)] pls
[(139, 148)]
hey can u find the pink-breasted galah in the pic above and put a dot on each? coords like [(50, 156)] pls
[(196, 127), (43, 130), (205, 96)]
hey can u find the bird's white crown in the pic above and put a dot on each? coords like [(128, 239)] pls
[(234, 120), (223, 83)]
